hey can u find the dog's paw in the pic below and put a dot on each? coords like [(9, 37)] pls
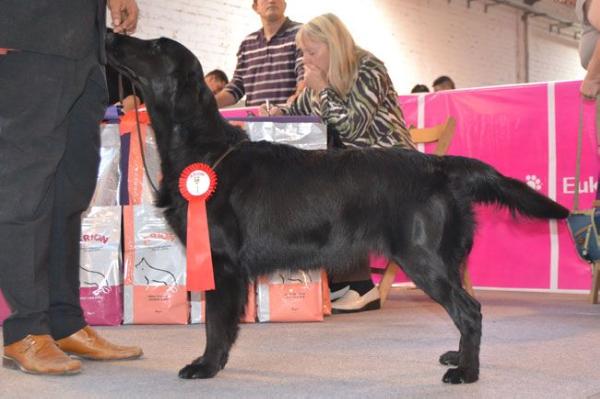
[(199, 370), (450, 358), (460, 376)]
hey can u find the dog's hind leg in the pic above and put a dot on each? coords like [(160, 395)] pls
[(451, 358), (224, 307), (442, 284)]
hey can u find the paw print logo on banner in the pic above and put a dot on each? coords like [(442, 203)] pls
[(534, 182)]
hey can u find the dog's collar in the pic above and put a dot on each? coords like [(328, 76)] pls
[(227, 152)]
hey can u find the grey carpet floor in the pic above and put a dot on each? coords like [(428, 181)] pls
[(534, 345)]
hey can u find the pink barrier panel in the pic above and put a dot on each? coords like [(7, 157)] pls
[(4, 310), (573, 273), (499, 126), (410, 109), (528, 132)]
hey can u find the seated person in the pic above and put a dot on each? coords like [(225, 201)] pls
[(350, 89), (419, 88), (443, 83), (216, 80)]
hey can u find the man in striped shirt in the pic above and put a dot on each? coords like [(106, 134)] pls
[(269, 66)]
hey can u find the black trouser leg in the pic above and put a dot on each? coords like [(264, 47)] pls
[(75, 182), (38, 95)]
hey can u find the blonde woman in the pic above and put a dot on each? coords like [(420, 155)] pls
[(351, 91)]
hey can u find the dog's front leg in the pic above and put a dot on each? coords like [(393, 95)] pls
[(224, 307)]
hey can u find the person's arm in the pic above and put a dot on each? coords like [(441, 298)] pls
[(299, 87), (225, 98), (592, 11), (301, 105), (590, 87), (234, 90), (351, 122), (124, 15), (300, 83)]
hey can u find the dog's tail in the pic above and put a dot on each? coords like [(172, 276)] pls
[(484, 184)]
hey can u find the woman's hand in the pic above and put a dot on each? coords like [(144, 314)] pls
[(590, 88), (273, 110), (315, 78)]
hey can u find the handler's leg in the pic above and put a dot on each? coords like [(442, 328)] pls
[(34, 96)]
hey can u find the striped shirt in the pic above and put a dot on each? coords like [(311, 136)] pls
[(369, 117), (268, 70)]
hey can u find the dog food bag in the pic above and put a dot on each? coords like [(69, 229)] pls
[(154, 287), (4, 309), (107, 184), (136, 188), (198, 306), (100, 260), (305, 132), (290, 296), (326, 294)]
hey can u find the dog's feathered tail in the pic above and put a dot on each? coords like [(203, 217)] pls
[(484, 184)]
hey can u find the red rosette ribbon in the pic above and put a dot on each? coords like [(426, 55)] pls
[(196, 183)]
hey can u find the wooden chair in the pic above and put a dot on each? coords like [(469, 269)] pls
[(442, 134), (595, 282)]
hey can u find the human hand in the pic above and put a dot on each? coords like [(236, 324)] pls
[(315, 78), (274, 110), (130, 102), (124, 15), (590, 88)]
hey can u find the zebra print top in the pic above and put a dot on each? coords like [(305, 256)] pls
[(369, 116)]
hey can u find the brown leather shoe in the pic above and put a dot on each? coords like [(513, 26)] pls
[(88, 344), (39, 354)]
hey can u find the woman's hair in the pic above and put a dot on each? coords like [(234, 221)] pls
[(344, 54)]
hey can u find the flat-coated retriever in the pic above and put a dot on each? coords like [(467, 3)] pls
[(277, 206)]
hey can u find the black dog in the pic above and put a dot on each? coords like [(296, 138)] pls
[(276, 205)]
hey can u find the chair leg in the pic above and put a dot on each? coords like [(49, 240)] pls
[(595, 282), (387, 280), (467, 285)]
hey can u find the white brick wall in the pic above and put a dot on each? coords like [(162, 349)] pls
[(417, 39)]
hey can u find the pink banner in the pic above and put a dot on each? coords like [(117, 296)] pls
[(573, 273)]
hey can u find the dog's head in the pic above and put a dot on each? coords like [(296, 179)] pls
[(166, 71)]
